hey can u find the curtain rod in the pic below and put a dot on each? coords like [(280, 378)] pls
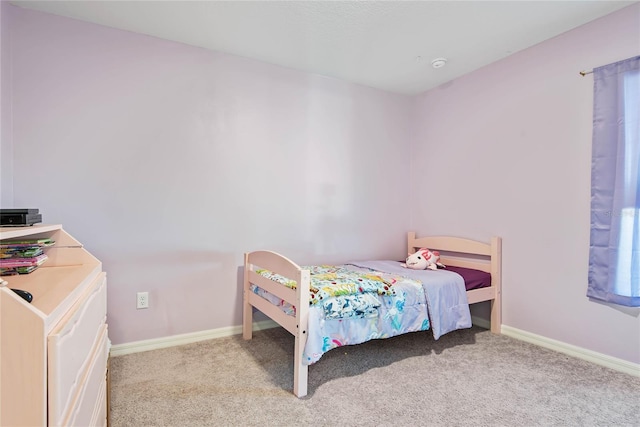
[(584, 73)]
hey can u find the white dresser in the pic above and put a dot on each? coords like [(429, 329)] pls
[(54, 350)]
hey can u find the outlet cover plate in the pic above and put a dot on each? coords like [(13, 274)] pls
[(142, 300)]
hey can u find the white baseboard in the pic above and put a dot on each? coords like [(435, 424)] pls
[(479, 321), (572, 350), (164, 342)]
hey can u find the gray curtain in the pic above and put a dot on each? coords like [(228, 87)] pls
[(614, 255)]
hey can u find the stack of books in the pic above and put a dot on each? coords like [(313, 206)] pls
[(23, 256)]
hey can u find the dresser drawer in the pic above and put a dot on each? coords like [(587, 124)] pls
[(71, 346), (89, 408)]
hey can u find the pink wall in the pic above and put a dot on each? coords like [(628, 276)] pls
[(169, 162), (6, 145), (154, 154), (509, 147)]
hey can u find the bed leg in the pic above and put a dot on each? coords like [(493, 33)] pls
[(300, 374), (247, 309), (247, 321), (496, 318)]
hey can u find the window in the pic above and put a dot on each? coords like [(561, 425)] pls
[(614, 255)]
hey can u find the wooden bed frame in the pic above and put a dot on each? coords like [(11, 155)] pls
[(454, 251)]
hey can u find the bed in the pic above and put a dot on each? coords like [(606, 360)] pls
[(394, 300)]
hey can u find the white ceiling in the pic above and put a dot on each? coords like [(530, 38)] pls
[(383, 44)]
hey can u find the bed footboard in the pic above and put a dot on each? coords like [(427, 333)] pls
[(298, 297)]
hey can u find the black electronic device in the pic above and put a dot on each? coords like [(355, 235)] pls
[(23, 294), (19, 219), (19, 211)]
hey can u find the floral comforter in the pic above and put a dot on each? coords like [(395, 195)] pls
[(342, 292), (350, 305)]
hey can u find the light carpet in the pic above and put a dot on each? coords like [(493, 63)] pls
[(466, 378)]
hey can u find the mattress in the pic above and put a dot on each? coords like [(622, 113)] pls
[(473, 279)]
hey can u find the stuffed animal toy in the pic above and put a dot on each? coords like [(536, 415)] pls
[(424, 259)]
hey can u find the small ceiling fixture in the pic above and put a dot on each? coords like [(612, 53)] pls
[(438, 62)]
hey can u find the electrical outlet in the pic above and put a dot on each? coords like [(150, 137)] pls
[(142, 300)]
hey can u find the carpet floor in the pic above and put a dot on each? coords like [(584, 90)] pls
[(466, 378)]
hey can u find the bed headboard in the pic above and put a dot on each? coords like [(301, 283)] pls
[(460, 252)]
